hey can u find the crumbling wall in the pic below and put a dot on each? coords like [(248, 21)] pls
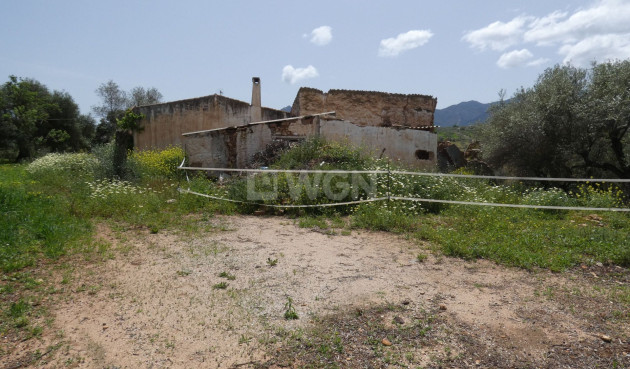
[(367, 108), (412, 147), (165, 123), (235, 147)]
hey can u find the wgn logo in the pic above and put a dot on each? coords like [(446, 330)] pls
[(308, 185)]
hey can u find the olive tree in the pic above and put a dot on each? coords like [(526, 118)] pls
[(114, 101), (572, 122)]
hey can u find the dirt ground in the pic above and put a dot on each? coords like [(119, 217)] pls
[(160, 302)]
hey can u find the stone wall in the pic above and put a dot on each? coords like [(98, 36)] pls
[(165, 123), (366, 108), (234, 147)]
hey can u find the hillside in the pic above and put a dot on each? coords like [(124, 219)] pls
[(462, 114)]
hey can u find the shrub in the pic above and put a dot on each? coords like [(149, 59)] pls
[(157, 164), (599, 195), (54, 168), (104, 156), (318, 153)]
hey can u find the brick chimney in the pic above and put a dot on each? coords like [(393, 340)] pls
[(256, 108)]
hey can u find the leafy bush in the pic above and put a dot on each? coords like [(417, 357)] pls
[(55, 167), (104, 155), (308, 188), (318, 153), (157, 164)]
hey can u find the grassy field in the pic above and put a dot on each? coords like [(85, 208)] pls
[(50, 208)]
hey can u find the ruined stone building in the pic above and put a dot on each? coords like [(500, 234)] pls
[(220, 132)]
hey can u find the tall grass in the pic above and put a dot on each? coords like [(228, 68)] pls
[(531, 238), (34, 223), (47, 206)]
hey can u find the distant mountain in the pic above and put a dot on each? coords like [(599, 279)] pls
[(462, 114), (287, 108)]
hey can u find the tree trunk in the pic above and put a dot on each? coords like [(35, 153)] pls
[(123, 143)]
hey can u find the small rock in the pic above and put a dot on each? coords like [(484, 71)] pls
[(442, 307), (386, 342), (399, 320), (605, 338), (171, 201), (477, 362), (599, 264)]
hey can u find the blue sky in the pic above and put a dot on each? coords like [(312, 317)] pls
[(454, 50)]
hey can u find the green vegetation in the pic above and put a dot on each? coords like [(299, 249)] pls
[(460, 136), (220, 286), (526, 238), (530, 239), (365, 337), (48, 210), (34, 221), (228, 276), (45, 206), (289, 310), (572, 122), (34, 120)]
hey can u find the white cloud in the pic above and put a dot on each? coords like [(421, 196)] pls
[(537, 62), (498, 35), (599, 32), (321, 36), (293, 75), (600, 48), (514, 58), (605, 17), (404, 41)]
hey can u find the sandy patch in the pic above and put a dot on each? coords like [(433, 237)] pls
[(157, 304)]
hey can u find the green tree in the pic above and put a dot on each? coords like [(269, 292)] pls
[(24, 105), (114, 103), (65, 129), (112, 107), (139, 96), (32, 120), (572, 122)]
